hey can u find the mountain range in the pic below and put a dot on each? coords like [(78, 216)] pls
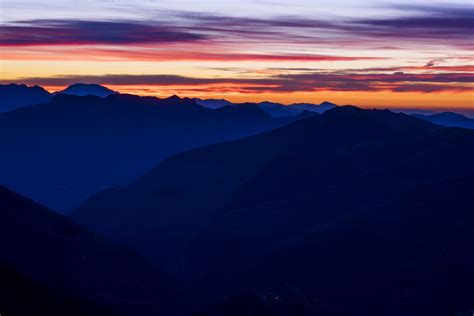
[(60, 152), (339, 212), (198, 207), (67, 147), (272, 108), (60, 148)]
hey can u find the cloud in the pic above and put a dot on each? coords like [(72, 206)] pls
[(417, 25), (79, 32), (306, 82), (420, 25), (169, 54)]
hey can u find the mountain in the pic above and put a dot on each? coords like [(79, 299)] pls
[(318, 108), (355, 210), (281, 110), (61, 152), (271, 108), (82, 89), (13, 96), (45, 252), (448, 119), (277, 109), (212, 103)]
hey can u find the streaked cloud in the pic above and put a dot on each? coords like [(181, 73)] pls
[(77, 32), (308, 82), (425, 26)]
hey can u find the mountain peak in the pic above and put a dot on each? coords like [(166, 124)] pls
[(173, 97), (327, 103), (83, 89)]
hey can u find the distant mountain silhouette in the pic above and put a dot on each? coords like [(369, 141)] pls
[(360, 211), (13, 96), (277, 109), (212, 103), (449, 119), (61, 152), (82, 89), (318, 108), (44, 251), (272, 108)]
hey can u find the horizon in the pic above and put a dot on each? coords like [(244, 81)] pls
[(410, 109), (374, 54)]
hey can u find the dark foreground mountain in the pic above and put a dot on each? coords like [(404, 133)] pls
[(57, 266), (449, 119), (354, 211), (61, 152), (13, 96), (83, 89)]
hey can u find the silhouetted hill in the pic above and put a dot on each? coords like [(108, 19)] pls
[(364, 211), (13, 96), (82, 89), (49, 252), (61, 152), (449, 119)]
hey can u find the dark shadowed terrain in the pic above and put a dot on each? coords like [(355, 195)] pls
[(51, 265), (355, 210), (196, 207)]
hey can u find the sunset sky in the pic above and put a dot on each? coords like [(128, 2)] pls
[(369, 53)]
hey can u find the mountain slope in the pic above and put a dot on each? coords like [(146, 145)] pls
[(61, 152), (13, 96), (62, 257), (21, 296), (330, 208)]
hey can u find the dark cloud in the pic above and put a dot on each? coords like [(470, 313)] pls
[(77, 32)]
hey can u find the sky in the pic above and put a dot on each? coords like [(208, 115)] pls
[(369, 53)]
